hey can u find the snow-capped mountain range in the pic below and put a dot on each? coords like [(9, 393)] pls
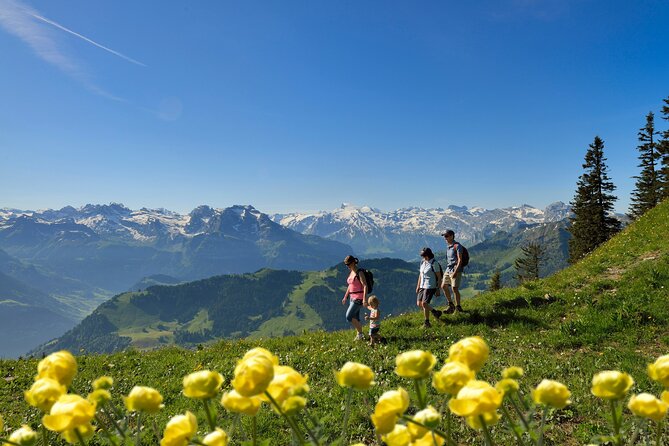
[(402, 232)]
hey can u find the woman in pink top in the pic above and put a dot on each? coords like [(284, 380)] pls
[(357, 291)]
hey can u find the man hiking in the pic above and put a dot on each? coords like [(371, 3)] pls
[(453, 273)]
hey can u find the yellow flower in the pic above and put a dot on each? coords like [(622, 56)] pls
[(2, 424), (665, 396), (389, 408), (452, 377), (429, 439), (512, 373), (414, 364), (253, 375), (85, 431), (203, 384), (216, 438), (355, 375), (551, 393), (507, 385), (286, 382), (490, 418), (475, 398), (259, 351), (179, 430), (99, 397), (60, 366), (103, 382), (399, 436), (44, 393), (428, 417), (646, 405), (144, 399), (234, 402), (472, 351), (659, 371), (611, 384), (293, 405), (24, 436), (68, 413)]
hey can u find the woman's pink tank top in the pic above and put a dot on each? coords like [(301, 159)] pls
[(354, 286)]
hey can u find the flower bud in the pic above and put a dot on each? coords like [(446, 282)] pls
[(452, 377), (512, 373), (551, 393), (144, 399), (476, 398), (472, 351), (216, 438), (99, 397), (253, 375), (60, 366), (611, 384), (68, 413), (44, 393), (179, 430), (103, 382), (356, 376), (203, 384), (659, 371), (428, 417), (399, 436), (507, 385), (646, 405), (23, 436), (234, 402), (415, 364)]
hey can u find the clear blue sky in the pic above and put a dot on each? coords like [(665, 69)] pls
[(302, 105)]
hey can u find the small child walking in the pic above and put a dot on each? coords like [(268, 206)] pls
[(374, 319)]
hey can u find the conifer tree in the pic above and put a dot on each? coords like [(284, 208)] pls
[(495, 281), (663, 152), (647, 193), (527, 265), (592, 223)]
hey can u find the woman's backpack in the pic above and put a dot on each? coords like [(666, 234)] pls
[(369, 278)]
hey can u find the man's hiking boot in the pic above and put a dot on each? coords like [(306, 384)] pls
[(426, 324), (436, 313), (459, 309), (450, 309)]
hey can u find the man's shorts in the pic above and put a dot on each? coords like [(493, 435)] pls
[(425, 294), (374, 330), (452, 279)]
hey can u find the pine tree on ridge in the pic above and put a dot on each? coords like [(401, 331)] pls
[(647, 192)]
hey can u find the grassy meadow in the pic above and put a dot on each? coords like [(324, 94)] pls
[(608, 312)]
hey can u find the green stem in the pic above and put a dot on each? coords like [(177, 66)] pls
[(347, 412), (254, 428), (616, 422), (418, 384), (311, 433), (660, 425), (526, 424), (512, 425), (448, 426), (113, 421), (4, 441), (436, 431), (79, 437), (543, 425), (139, 428), (105, 431), (486, 432), (210, 418), (45, 436), (291, 422)]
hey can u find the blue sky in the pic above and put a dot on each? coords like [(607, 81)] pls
[(303, 105)]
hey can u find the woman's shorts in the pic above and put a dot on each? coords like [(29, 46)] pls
[(426, 294), (353, 311), (374, 330)]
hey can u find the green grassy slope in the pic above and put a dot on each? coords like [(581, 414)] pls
[(607, 312)]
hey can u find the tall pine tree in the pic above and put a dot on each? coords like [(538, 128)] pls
[(647, 193), (592, 223), (528, 264), (663, 150), (495, 281)]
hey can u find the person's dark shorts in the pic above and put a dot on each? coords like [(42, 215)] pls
[(426, 294), (374, 330)]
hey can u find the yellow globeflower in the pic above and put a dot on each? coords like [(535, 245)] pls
[(646, 405), (253, 375), (664, 397), (512, 373), (490, 418), (60, 366), (234, 402), (452, 377), (399, 436), (472, 351), (356, 376), (68, 413), (659, 371), (429, 439), (611, 384), (144, 399), (85, 431), (476, 398), (551, 393), (259, 351), (285, 383), (428, 417), (293, 405), (99, 397), (44, 393), (507, 385), (389, 408), (103, 382), (414, 364), (23, 436), (179, 430), (216, 438), (202, 385)]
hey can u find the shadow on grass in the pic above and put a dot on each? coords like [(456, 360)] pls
[(521, 302)]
